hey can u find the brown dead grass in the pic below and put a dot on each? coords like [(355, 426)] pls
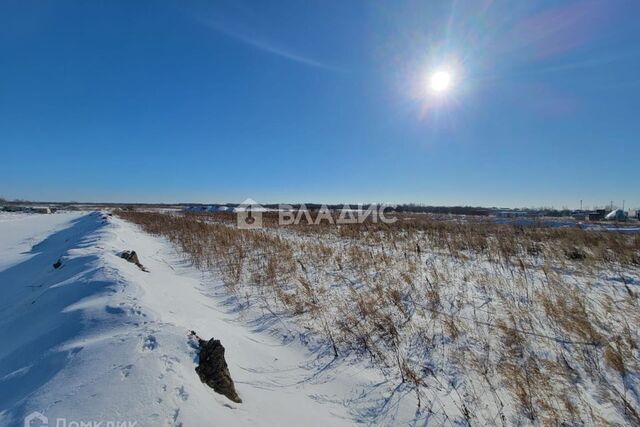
[(439, 289)]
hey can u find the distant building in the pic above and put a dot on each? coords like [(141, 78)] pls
[(206, 208), (30, 209), (511, 214), (13, 208), (597, 215), (616, 215), (40, 209), (635, 214), (580, 215)]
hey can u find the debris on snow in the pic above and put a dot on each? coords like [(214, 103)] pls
[(132, 257), (213, 369)]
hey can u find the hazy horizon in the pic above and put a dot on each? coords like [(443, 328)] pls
[(329, 203)]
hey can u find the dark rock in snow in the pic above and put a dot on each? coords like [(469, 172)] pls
[(213, 369), (575, 254), (57, 264), (132, 257)]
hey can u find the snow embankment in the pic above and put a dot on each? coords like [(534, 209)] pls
[(99, 340)]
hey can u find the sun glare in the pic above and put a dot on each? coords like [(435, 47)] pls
[(440, 81)]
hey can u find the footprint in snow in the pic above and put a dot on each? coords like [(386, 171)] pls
[(114, 310), (173, 418), (126, 371), (168, 362), (182, 394), (150, 343)]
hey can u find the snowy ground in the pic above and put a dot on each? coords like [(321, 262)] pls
[(485, 324), (99, 340)]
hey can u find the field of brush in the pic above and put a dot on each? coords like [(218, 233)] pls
[(485, 324)]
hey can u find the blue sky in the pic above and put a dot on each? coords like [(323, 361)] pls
[(321, 101)]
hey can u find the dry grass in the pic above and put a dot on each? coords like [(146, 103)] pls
[(512, 324)]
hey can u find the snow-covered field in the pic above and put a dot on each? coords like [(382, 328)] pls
[(99, 340), (468, 323), (432, 324)]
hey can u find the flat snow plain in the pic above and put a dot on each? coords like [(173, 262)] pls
[(97, 340)]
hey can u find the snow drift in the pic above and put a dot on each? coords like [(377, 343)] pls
[(99, 340)]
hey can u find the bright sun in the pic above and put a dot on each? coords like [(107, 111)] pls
[(440, 81)]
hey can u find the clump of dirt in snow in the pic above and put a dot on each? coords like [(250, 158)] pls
[(575, 254), (132, 257), (213, 369)]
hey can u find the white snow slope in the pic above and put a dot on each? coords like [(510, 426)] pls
[(100, 341)]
